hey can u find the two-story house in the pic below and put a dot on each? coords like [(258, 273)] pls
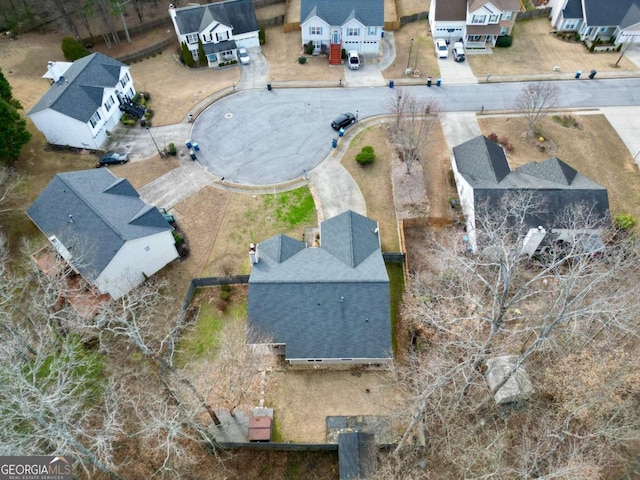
[(477, 23), (221, 27), (333, 25), (83, 102), (598, 19)]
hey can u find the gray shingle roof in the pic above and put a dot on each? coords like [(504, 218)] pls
[(481, 159), (324, 302), (93, 213), (78, 93), (609, 13), (239, 14), (556, 184), (337, 12), (573, 9)]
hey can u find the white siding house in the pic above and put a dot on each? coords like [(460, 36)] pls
[(83, 101), (221, 27), (349, 24), (100, 226)]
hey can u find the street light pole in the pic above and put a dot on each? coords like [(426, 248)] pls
[(410, 48), (154, 142)]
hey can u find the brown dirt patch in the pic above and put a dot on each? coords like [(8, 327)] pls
[(282, 51), (409, 7), (596, 151), (141, 173), (423, 59), (302, 399), (536, 50), (374, 181)]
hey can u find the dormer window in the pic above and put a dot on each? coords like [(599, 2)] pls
[(494, 18), (479, 19), (192, 38), (222, 36)]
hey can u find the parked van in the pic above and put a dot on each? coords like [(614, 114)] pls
[(458, 52), (353, 59)]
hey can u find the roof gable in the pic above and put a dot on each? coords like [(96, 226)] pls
[(610, 13), (239, 15), (280, 248), (552, 169), (349, 237), (481, 159), (93, 214), (79, 92), (338, 12)]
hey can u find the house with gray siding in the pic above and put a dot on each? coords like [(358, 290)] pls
[(324, 304), (333, 25)]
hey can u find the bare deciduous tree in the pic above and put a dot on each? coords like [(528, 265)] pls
[(414, 120), (535, 100), (541, 310)]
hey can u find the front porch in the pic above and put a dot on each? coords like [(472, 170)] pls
[(221, 54)]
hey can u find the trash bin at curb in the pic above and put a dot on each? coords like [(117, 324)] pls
[(438, 82), (391, 83), (578, 73), (428, 81), (192, 154), (196, 147), (592, 74), (334, 142), (341, 132), (269, 86), (188, 143)]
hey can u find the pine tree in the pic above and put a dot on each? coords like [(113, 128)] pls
[(13, 131), (187, 56), (202, 58)]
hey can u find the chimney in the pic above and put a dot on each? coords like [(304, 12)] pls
[(253, 254), (533, 240)]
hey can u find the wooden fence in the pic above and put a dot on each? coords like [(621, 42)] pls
[(211, 282), (414, 18), (146, 52), (537, 13)]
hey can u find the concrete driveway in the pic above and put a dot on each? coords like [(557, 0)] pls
[(455, 73), (256, 73), (368, 75)]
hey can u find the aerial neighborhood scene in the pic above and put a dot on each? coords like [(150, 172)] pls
[(320, 239)]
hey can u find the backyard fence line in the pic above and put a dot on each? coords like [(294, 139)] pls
[(393, 257), (145, 52), (211, 282), (529, 14), (416, 17), (287, 447), (271, 22), (134, 30)]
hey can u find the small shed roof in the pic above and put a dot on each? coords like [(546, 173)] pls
[(356, 455)]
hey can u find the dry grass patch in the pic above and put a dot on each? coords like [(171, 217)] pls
[(282, 51), (595, 150), (374, 181), (535, 50), (423, 58), (409, 7), (141, 173)]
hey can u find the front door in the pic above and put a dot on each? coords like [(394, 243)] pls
[(335, 37)]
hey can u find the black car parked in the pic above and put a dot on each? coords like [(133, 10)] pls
[(343, 121), (113, 158)]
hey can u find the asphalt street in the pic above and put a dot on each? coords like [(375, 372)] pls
[(263, 137)]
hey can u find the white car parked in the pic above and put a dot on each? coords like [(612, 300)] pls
[(441, 48), (353, 60), (245, 59)]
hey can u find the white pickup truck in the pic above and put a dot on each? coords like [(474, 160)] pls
[(353, 59)]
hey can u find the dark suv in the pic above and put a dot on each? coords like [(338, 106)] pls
[(343, 121)]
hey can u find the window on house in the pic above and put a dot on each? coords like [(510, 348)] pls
[(192, 38), (222, 36), (504, 31), (479, 19), (109, 103), (507, 15), (124, 80), (372, 30), (353, 32), (494, 18), (315, 30), (474, 38), (95, 118)]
